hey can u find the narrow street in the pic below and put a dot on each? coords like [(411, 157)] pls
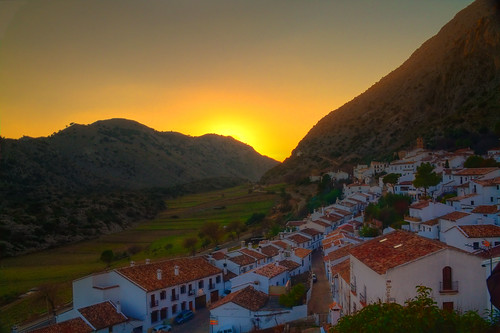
[(321, 296)]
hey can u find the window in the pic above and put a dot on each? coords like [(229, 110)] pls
[(183, 306), (200, 284), (497, 243), (472, 202), (217, 279), (163, 294), (163, 313), (447, 278), (491, 199), (475, 245), (183, 289), (174, 308), (154, 316)]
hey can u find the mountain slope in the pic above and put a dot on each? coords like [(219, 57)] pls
[(448, 92), (124, 154)]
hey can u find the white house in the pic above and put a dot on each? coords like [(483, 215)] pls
[(452, 219), (470, 237), (315, 235), (488, 213), (423, 211), (248, 309), (388, 269), (262, 278), (151, 292)]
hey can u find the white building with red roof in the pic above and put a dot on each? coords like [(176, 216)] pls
[(388, 269), (423, 211), (262, 278), (152, 292), (471, 237)]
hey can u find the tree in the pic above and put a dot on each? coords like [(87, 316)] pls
[(426, 177), (294, 297), (107, 257), (419, 314), (391, 179), (476, 161), (190, 244), (213, 231), (49, 292), (236, 227), (255, 218)]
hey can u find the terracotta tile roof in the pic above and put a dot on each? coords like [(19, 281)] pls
[(190, 269), (271, 270), (484, 209), (228, 276), (311, 231), (341, 212), (347, 227), (219, 255), (394, 249), (289, 264), (339, 253), (331, 218), (347, 204), (420, 204), (321, 223), (462, 197), (295, 223), (242, 260), (406, 182), (270, 251), (488, 182), (299, 239), (281, 244), (431, 222), (475, 171), (301, 252), (102, 315), (454, 216), (412, 219), (253, 253), (480, 230), (76, 325), (343, 269), (248, 298)]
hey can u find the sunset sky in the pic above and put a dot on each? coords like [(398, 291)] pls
[(264, 72)]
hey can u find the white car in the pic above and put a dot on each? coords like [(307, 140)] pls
[(161, 329)]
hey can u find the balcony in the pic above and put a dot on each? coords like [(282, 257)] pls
[(191, 292), (448, 288), (174, 297), (154, 303), (353, 288)]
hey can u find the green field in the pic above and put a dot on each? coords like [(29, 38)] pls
[(159, 238)]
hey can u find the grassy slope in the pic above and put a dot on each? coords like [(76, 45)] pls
[(183, 218)]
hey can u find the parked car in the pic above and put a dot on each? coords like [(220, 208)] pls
[(314, 277), (161, 329), (184, 316)]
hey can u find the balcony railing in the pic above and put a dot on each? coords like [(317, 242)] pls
[(191, 292), (448, 287), (174, 297), (153, 303)]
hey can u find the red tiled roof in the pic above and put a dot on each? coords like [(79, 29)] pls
[(270, 251), (219, 255), (311, 231), (339, 253), (462, 197), (248, 298), (301, 252), (488, 182), (346, 227), (242, 260), (253, 253), (271, 270), (454, 216), (76, 325), (486, 209), (102, 315), (190, 269), (394, 249), (475, 171), (420, 204), (289, 264), (331, 218), (431, 222), (295, 223), (299, 239), (228, 276), (321, 223), (480, 230), (341, 212), (343, 269), (281, 244)]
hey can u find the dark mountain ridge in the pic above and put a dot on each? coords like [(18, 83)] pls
[(447, 92), (87, 180)]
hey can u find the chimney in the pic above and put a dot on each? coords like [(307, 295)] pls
[(132, 263), (249, 245), (158, 274), (176, 270), (148, 261), (225, 270), (242, 244)]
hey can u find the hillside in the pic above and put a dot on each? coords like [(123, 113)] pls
[(447, 92), (87, 180)]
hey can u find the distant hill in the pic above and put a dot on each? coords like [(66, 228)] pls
[(447, 92), (87, 180)]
